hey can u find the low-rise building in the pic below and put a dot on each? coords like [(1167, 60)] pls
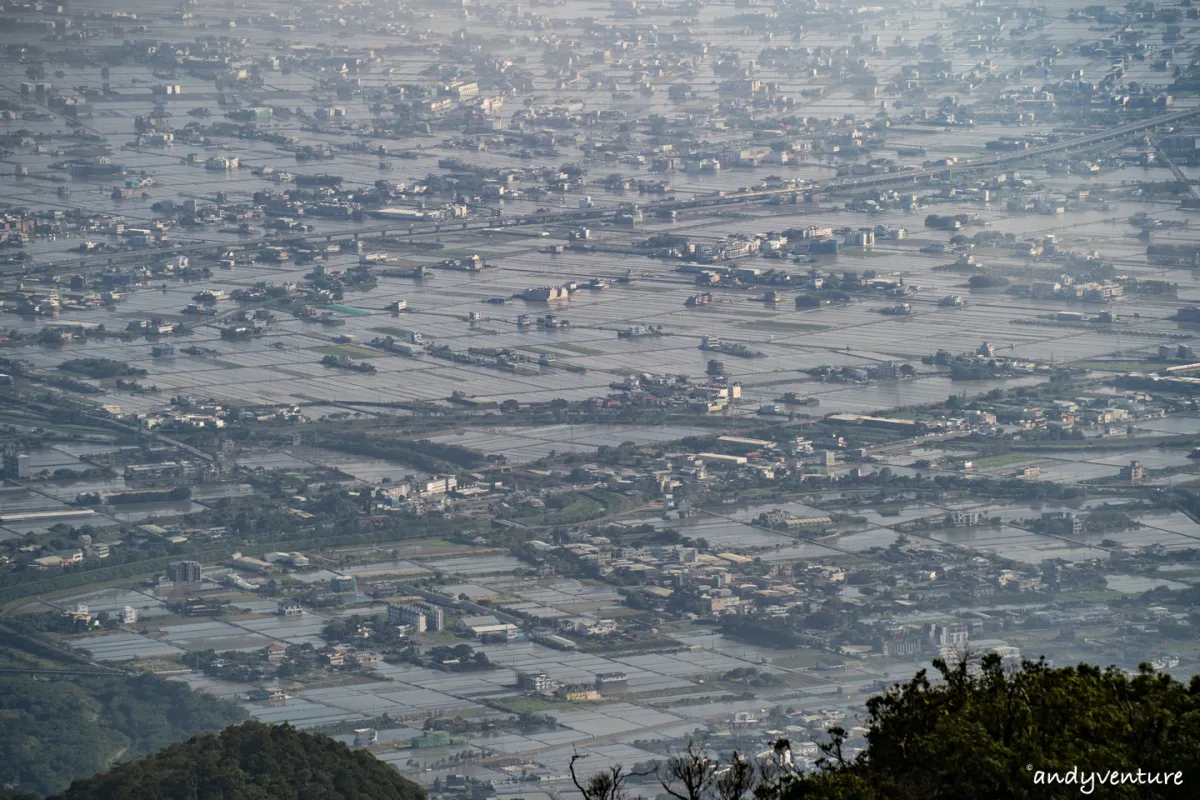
[(578, 693), (252, 564), (290, 608), (488, 628)]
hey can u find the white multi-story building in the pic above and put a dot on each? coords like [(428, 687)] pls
[(422, 617), (442, 484)]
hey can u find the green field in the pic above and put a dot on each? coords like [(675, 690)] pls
[(792, 327), (534, 705), (351, 310)]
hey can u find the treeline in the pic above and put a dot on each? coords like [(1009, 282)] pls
[(54, 730), (972, 371), (822, 297), (318, 180), (947, 222), (100, 368), (762, 633), (666, 241), (987, 281), (1172, 255), (433, 457), (1174, 250)]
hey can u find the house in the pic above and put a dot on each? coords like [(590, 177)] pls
[(579, 693), (336, 655), (600, 627), (1134, 473), (291, 608), (611, 682), (538, 682), (367, 660)]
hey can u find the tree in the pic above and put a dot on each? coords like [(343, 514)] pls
[(53, 730), (993, 732), (987, 281), (984, 730), (688, 775), (249, 762), (808, 301), (606, 785)]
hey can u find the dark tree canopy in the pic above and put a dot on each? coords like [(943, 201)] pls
[(984, 732), (989, 735), (53, 730), (987, 281), (251, 761)]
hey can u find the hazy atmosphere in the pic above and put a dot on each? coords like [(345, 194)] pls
[(491, 385)]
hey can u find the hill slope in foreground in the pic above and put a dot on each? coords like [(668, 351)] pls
[(251, 761)]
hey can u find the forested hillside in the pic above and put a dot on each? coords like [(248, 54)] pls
[(252, 761), (54, 729)]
